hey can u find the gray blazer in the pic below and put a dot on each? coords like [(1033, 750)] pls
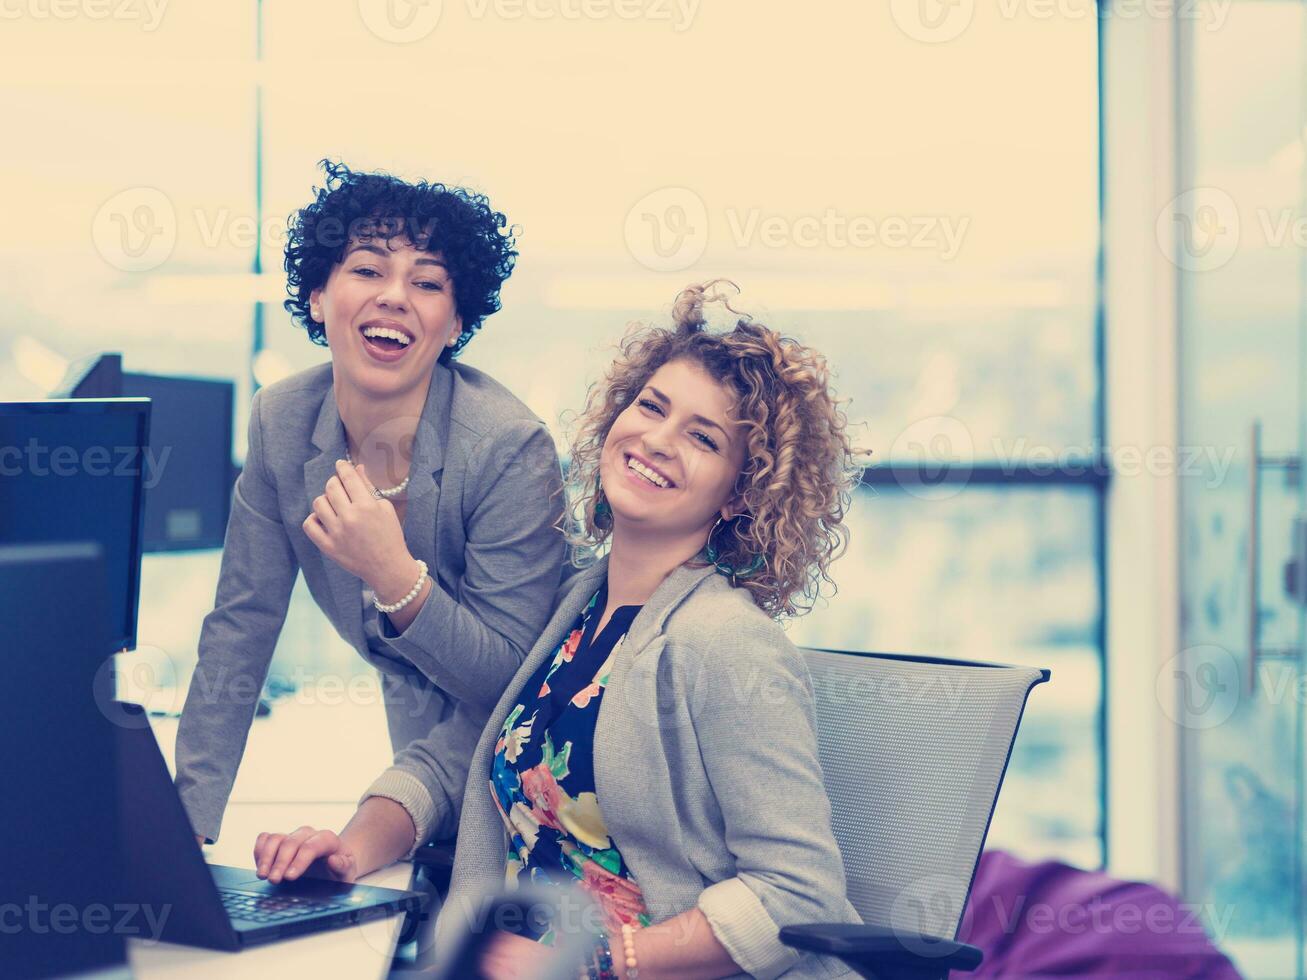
[(706, 769), (484, 503)]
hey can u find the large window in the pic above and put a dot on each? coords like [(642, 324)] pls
[(924, 209)]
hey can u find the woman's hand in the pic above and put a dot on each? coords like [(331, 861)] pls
[(359, 532), (510, 957), (318, 853)]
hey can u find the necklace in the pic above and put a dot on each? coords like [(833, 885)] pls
[(392, 492)]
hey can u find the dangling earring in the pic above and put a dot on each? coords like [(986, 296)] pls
[(601, 510), (713, 557)]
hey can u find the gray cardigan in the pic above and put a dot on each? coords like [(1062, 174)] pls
[(484, 500), (706, 769)]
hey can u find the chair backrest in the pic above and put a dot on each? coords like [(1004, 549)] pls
[(914, 751)]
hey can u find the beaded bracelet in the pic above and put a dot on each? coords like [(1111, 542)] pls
[(600, 966), (628, 948), (397, 606), (604, 954)]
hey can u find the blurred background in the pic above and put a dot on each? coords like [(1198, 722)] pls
[(1054, 252)]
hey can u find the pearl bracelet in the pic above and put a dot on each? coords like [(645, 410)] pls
[(628, 948), (397, 606)]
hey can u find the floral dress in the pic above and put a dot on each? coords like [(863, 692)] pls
[(542, 776)]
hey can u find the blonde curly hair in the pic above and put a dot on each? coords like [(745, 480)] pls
[(798, 474)]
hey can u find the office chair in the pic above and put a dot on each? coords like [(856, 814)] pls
[(914, 750)]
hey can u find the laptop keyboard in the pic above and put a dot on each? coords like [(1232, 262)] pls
[(254, 907)]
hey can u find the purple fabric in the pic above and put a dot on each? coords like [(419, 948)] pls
[(1053, 920)]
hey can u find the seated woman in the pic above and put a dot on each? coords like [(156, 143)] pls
[(658, 746)]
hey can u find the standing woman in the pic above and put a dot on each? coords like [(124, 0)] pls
[(419, 498), (658, 747)]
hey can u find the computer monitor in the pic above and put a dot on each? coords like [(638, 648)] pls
[(61, 908), (93, 376), (76, 470), (191, 426), (191, 429)]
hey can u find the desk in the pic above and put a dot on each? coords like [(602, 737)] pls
[(360, 951)]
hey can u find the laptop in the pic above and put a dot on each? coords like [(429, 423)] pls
[(210, 905)]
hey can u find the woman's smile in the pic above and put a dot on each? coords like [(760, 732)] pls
[(386, 340), (645, 475)]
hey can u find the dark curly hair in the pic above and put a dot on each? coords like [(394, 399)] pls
[(475, 241), (799, 469)]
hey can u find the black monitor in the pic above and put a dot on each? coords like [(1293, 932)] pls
[(191, 428), (94, 376), (76, 470), (191, 433), (60, 860)]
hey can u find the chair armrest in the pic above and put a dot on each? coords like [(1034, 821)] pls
[(881, 952), (436, 854), (435, 863)]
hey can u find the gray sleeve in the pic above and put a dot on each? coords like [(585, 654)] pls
[(237, 640), (755, 721), (425, 780), (472, 642), (431, 818)]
